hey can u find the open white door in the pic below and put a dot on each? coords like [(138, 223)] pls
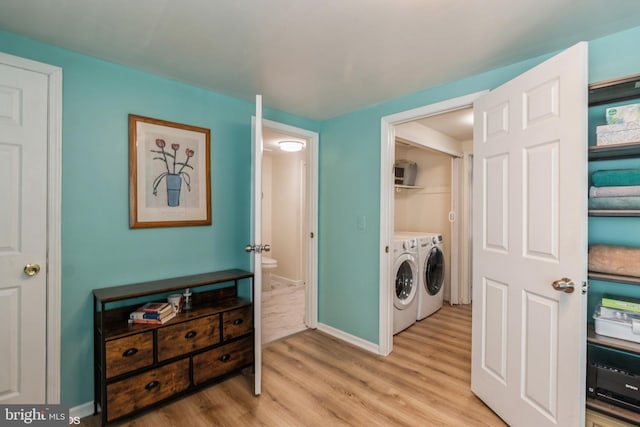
[(255, 248), (530, 220)]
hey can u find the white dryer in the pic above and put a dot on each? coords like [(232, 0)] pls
[(431, 271), (405, 283), (431, 266)]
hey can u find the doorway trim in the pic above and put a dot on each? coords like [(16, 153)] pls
[(311, 191), (387, 159), (54, 215)]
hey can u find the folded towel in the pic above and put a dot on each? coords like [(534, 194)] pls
[(621, 260), (616, 177), (612, 203), (615, 191)]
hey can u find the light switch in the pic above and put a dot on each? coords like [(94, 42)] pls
[(361, 222)]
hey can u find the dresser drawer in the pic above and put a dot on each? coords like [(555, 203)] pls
[(139, 391), (128, 353), (188, 336), (237, 322), (222, 360)]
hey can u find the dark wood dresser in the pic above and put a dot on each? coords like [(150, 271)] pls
[(141, 366)]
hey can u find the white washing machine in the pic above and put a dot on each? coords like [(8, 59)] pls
[(405, 283), (431, 271)]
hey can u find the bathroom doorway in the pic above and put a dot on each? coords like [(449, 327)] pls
[(289, 227)]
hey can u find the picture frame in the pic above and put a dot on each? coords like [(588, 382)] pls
[(169, 174)]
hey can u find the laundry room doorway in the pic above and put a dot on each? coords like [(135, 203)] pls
[(439, 200), (431, 204)]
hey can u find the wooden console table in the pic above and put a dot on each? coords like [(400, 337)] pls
[(140, 366)]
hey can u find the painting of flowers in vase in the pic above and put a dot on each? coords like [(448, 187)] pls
[(169, 174), (175, 171)]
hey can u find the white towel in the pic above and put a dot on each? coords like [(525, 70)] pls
[(615, 191)]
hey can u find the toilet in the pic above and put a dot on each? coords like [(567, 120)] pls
[(269, 263)]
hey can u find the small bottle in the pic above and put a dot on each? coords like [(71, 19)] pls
[(186, 303)]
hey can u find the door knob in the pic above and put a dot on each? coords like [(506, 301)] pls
[(564, 285), (31, 269), (257, 248), (253, 248)]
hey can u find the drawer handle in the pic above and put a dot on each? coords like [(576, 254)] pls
[(225, 357), (237, 321), (130, 352), (190, 334), (152, 385)]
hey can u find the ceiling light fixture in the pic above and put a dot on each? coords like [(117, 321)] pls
[(468, 118), (291, 146)]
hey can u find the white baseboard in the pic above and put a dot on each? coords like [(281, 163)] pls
[(351, 339), (286, 280), (81, 411)]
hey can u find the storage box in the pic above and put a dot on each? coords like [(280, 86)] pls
[(623, 114), (618, 134), (615, 323)]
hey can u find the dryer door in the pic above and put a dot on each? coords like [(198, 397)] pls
[(434, 271), (405, 281)]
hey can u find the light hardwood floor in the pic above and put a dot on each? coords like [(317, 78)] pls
[(313, 379)]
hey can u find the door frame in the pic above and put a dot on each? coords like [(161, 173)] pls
[(54, 216), (387, 159), (311, 226)]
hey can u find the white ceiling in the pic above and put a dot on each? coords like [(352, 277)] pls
[(316, 58), (456, 124)]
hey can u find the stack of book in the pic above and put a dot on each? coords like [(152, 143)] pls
[(154, 313), (621, 303)]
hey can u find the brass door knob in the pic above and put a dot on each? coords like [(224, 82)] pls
[(31, 269), (564, 285)]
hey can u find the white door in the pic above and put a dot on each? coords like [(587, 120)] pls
[(23, 235), (256, 245), (530, 181)]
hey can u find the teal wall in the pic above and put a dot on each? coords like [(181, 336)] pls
[(98, 247), (100, 250), (350, 185), (350, 195)]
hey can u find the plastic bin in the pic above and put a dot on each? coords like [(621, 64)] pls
[(616, 323)]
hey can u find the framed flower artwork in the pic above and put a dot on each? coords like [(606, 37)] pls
[(169, 174)]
